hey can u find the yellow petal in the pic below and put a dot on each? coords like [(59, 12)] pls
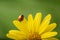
[(14, 34), (44, 23), (21, 25), (51, 27), (50, 39), (30, 23), (48, 34), (37, 21)]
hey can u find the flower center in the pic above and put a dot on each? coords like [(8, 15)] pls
[(34, 36)]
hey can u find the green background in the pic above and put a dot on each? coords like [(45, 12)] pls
[(11, 9)]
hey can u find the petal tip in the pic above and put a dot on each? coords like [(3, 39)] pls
[(49, 15), (56, 33), (55, 24), (39, 13), (14, 21)]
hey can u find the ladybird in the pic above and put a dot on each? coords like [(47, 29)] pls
[(21, 17)]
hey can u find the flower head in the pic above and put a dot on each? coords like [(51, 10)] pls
[(33, 29)]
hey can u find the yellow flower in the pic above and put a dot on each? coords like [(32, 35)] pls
[(33, 29)]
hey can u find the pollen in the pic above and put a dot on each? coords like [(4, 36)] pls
[(34, 36)]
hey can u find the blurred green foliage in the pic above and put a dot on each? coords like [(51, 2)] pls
[(11, 9)]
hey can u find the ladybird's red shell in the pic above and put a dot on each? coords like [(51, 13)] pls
[(20, 18)]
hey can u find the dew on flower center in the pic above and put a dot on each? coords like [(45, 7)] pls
[(34, 36)]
